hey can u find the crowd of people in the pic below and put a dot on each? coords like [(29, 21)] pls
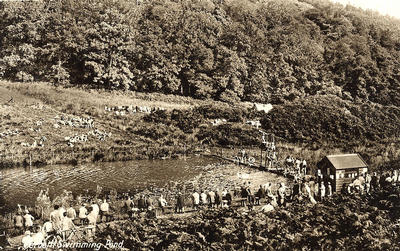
[(59, 218), (63, 216), (366, 183)]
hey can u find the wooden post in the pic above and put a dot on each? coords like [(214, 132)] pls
[(30, 159), (261, 155)]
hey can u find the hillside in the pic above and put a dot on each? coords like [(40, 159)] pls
[(71, 125), (250, 50), (43, 124)]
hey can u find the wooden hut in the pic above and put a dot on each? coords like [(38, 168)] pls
[(342, 169)]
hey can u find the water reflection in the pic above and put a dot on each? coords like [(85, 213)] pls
[(22, 185)]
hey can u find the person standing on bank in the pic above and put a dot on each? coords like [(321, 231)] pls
[(180, 204), (196, 200)]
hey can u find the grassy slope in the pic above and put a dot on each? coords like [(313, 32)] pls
[(35, 102)]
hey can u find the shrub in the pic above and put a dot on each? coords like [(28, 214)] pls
[(330, 120), (231, 114), (229, 135), (186, 120), (159, 116)]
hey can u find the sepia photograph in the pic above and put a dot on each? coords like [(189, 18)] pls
[(199, 125)]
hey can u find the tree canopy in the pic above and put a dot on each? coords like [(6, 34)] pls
[(229, 50)]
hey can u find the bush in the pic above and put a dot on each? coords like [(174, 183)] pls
[(186, 120), (161, 133), (231, 114), (159, 116), (229, 135), (324, 119)]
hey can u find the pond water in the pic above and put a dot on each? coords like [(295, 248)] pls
[(22, 185)]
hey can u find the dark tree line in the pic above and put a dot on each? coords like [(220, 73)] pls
[(266, 51)]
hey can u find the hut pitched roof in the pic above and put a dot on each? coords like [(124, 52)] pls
[(346, 161)]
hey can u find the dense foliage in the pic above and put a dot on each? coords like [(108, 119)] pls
[(328, 119), (197, 122), (267, 51)]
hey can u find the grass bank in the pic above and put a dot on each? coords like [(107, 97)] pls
[(47, 115)]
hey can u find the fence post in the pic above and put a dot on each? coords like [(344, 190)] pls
[(30, 159)]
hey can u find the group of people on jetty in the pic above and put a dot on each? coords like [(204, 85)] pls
[(295, 166), (68, 216)]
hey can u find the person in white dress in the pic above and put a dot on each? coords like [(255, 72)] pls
[(28, 218), (83, 214), (322, 190), (105, 210), (27, 240), (196, 200), (67, 225), (38, 237)]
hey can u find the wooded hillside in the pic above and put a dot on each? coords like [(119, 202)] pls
[(228, 50)]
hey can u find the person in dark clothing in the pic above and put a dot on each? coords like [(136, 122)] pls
[(218, 199), (344, 189), (251, 199), (374, 182), (260, 194), (180, 204), (296, 190), (151, 213), (243, 194), (229, 198), (382, 180), (142, 203)]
